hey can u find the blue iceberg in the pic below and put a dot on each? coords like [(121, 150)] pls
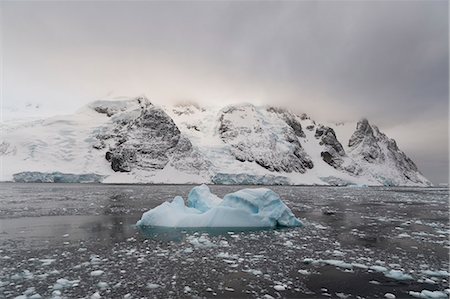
[(259, 207)]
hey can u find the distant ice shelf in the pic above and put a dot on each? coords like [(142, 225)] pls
[(56, 177), (249, 179), (259, 207)]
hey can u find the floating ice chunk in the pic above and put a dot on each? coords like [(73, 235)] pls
[(342, 295), (253, 271), (245, 208), (378, 268), (152, 285), (96, 295), (97, 272), (398, 275), (337, 263), (425, 294), (46, 262), (63, 283), (280, 287), (304, 272), (389, 296), (358, 265), (441, 273), (102, 285), (403, 235)]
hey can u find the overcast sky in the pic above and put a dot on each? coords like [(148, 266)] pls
[(387, 61)]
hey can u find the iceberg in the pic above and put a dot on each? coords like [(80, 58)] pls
[(259, 207)]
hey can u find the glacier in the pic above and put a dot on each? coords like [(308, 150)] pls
[(132, 140), (56, 177), (248, 179), (259, 207)]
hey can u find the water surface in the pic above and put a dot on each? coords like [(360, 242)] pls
[(76, 240)]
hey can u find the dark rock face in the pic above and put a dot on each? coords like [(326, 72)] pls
[(250, 139), (334, 152), (149, 139), (290, 119)]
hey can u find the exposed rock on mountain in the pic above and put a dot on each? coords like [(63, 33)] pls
[(365, 143), (245, 129), (369, 147), (134, 141), (147, 138), (334, 151)]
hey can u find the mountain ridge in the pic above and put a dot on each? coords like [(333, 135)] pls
[(135, 141)]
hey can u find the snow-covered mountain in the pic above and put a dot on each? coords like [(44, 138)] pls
[(135, 141)]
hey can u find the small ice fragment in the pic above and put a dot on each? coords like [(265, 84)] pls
[(425, 294), (441, 273), (398, 275), (304, 272), (46, 262), (280, 287), (342, 295), (102, 285), (97, 272), (389, 296), (96, 295), (152, 285)]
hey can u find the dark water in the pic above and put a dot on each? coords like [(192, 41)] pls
[(75, 241)]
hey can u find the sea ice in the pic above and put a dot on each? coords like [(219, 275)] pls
[(398, 275), (425, 294), (245, 208)]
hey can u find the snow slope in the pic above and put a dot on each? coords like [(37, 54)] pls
[(130, 140)]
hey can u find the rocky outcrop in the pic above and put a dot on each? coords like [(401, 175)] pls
[(333, 152), (368, 146), (291, 119), (364, 142), (251, 139), (147, 138)]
